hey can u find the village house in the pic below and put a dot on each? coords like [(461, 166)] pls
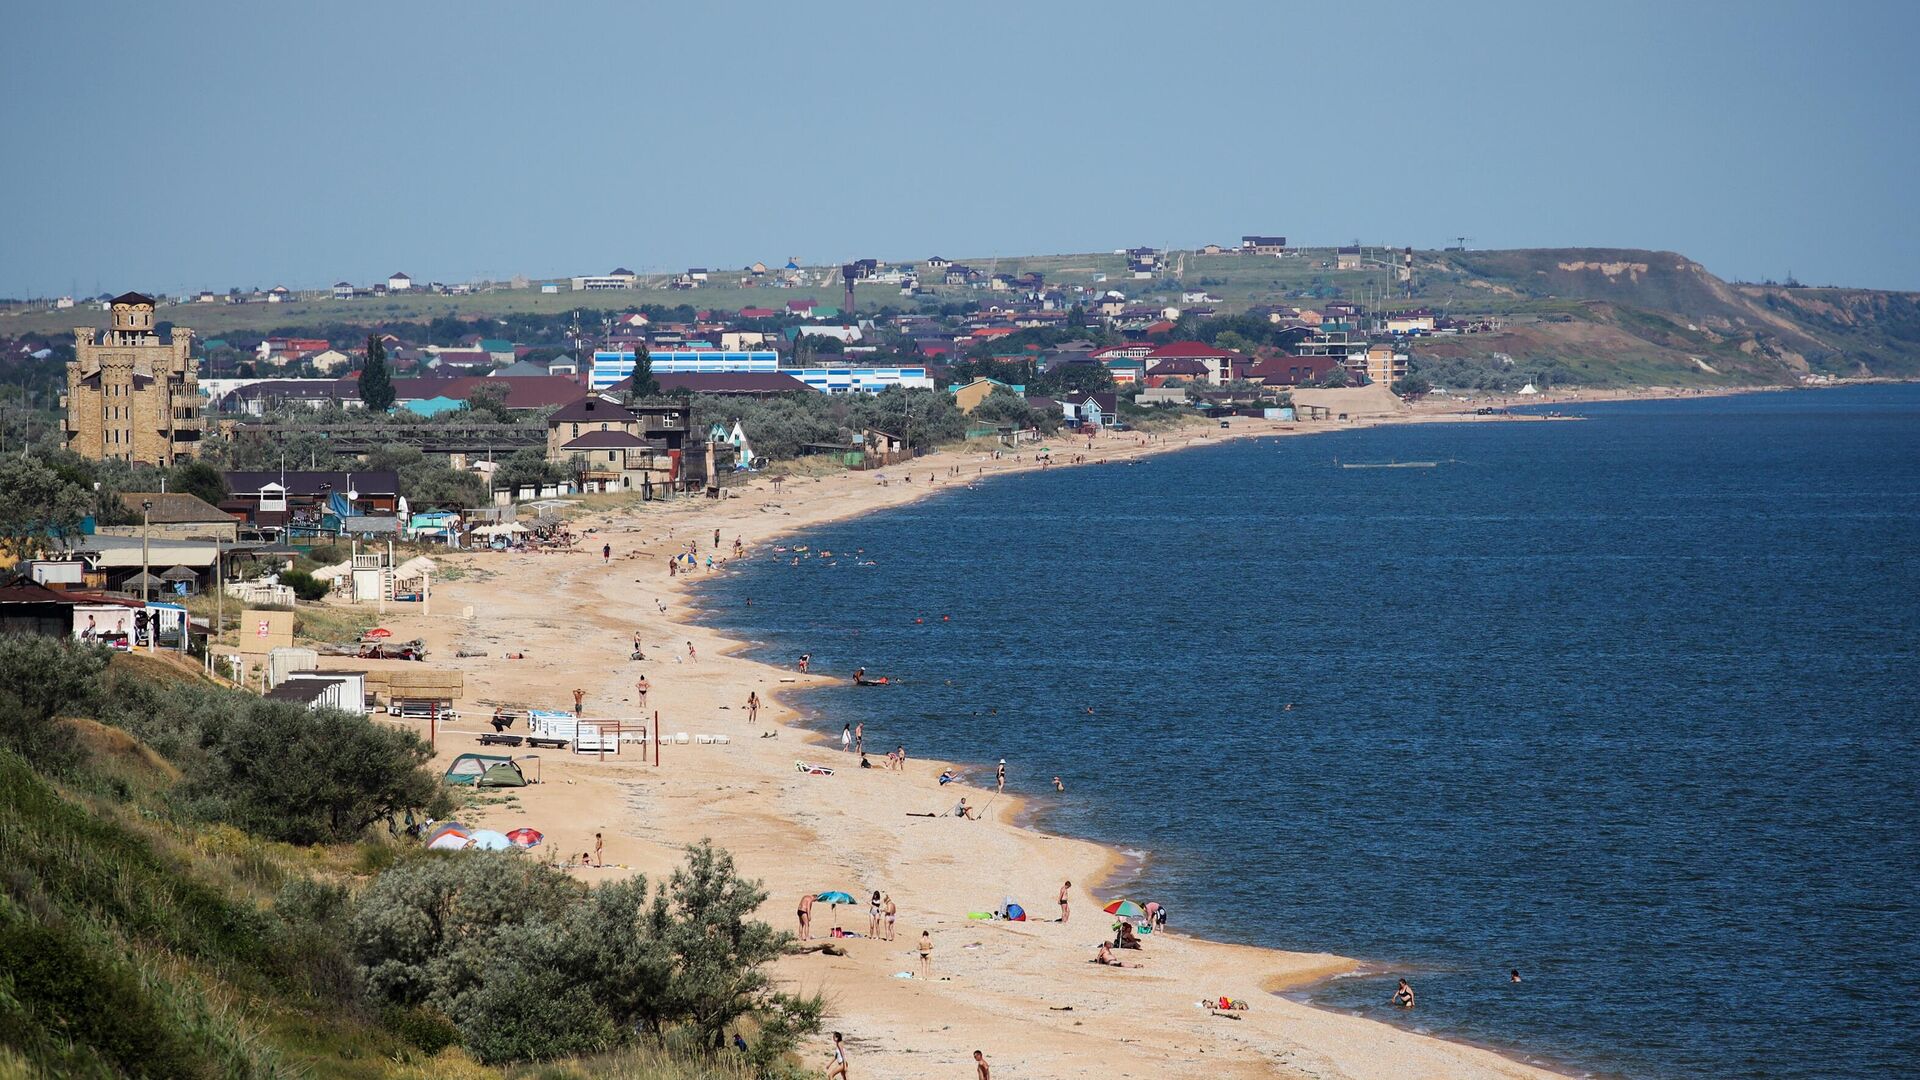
[(1221, 365), (1263, 245), (399, 283), (1417, 321), (174, 515), (1385, 365), (274, 498), (1091, 409), (1286, 371), (968, 398), (1347, 258)]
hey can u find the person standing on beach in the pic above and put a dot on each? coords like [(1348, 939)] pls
[(606, 554), (980, 1069), (888, 912), (716, 539), (846, 738), (838, 1069), (1065, 888), (579, 696), (806, 915), (641, 688), (753, 706), (599, 850), (805, 659), (860, 737), (873, 916), (1000, 776), (691, 655), (926, 954)]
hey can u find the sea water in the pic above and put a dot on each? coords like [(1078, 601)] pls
[(1628, 704)]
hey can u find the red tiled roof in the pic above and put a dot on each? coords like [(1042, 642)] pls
[(1182, 350), (731, 382)]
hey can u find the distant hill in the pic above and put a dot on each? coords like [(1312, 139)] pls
[(1593, 316), (1638, 316)]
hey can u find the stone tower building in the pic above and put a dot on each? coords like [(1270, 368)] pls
[(131, 395)]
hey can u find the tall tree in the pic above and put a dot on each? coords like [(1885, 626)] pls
[(37, 505), (644, 384), (376, 382)]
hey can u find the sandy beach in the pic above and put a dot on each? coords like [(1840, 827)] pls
[(1026, 993)]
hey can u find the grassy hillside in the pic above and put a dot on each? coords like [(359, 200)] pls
[(145, 936)]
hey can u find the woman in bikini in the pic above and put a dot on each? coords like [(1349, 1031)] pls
[(873, 915), (890, 912)]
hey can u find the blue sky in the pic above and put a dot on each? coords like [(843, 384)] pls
[(204, 145)]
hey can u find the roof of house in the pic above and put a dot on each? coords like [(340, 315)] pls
[(1107, 402), (1182, 350), (174, 507), (537, 391), (133, 298), (1178, 367), (23, 590), (301, 482), (301, 691), (605, 440), (732, 382), (591, 407)]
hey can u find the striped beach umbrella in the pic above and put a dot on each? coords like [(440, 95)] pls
[(525, 837), (1125, 909)]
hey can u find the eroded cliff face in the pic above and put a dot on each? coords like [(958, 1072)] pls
[(1667, 311)]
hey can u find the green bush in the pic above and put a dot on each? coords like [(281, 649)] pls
[(424, 1029), (477, 936), (282, 771), (304, 585), (42, 678)]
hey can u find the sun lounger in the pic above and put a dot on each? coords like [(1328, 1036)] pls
[(812, 770), (682, 738), (497, 739)]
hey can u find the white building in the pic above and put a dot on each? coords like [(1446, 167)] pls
[(620, 278), (399, 283)]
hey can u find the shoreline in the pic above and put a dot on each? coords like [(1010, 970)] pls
[(770, 818)]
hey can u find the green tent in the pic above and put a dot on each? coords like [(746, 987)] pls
[(485, 770)]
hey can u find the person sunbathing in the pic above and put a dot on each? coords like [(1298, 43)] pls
[(1105, 957), (1126, 939)]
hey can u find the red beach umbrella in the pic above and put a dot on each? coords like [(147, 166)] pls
[(525, 837), (380, 632)]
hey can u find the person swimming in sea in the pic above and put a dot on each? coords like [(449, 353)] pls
[(1403, 995)]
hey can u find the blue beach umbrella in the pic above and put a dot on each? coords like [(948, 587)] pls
[(834, 898)]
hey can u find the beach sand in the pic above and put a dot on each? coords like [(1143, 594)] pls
[(1026, 993)]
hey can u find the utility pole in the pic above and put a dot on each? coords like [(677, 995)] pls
[(146, 573)]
